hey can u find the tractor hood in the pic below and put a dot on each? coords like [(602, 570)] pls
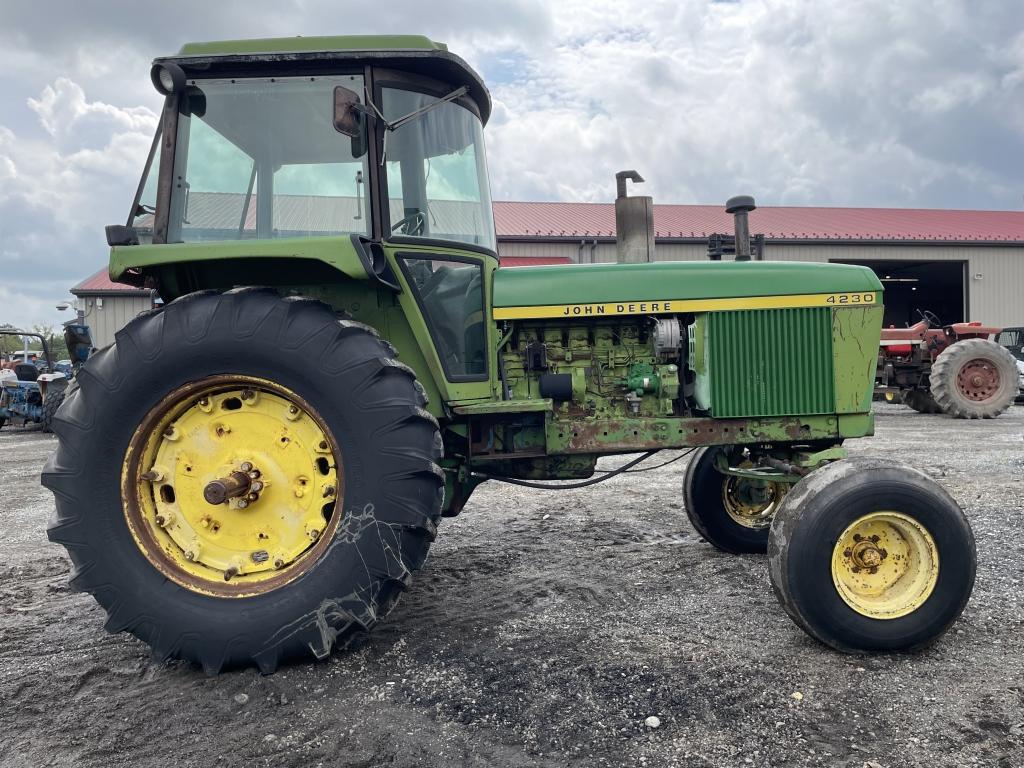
[(671, 287)]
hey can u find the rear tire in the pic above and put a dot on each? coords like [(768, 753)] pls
[(371, 408), (814, 546), (705, 491), (974, 379)]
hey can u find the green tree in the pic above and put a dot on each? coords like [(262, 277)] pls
[(9, 343), (54, 340)]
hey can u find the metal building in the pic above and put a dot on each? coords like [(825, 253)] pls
[(107, 306), (958, 264)]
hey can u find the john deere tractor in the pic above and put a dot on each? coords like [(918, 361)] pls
[(252, 472)]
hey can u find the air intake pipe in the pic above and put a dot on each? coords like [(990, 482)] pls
[(739, 207)]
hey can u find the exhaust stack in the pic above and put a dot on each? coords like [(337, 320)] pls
[(634, 221), (739, 207)]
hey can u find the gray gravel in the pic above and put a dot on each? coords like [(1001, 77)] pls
[(545, 630)]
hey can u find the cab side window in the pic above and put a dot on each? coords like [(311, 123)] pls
[(451, 295)]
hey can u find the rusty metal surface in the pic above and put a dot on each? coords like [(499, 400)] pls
[(606, 436)]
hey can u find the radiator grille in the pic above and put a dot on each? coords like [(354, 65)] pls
[(771, 362)]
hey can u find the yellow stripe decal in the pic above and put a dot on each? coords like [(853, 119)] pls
[(674, 306)]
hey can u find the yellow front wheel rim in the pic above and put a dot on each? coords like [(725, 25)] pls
[(885, 565), (230, 486)]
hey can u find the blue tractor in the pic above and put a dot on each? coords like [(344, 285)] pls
[(33, 391)]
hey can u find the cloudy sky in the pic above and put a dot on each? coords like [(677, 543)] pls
[(917, 103)]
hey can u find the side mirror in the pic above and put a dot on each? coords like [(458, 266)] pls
[(119, 234), (78, 341), (348, 116)]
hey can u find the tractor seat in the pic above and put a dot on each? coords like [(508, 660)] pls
[(26, 372)]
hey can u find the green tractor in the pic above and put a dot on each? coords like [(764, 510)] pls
[(252, 472)]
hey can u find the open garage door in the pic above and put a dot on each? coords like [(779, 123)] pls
[(937, 286)]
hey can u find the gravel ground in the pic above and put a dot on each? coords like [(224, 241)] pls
[(544, 631)]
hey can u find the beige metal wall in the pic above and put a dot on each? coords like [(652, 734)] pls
[(995, 274), (106, 315)]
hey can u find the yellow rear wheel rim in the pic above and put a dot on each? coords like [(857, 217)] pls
[(885, 565), (269, 448)]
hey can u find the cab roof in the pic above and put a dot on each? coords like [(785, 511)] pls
[(411, 53), (340, 43)]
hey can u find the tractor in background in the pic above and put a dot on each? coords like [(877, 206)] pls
[(33, 391), (955, 369)]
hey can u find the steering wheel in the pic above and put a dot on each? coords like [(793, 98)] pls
[(413, 224), (931, 318)]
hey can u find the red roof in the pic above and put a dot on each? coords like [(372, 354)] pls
[(514, 219), (101, 283), (533, 261)]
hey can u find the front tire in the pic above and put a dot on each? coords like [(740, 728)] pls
[(53, 401), (245, 384), (868, 555), (730, 513)]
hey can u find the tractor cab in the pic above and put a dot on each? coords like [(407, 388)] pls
[(365, 154)]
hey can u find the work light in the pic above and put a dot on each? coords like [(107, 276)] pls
[(167, 78)]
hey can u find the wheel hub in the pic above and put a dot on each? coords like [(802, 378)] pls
[(978, 380), (885, 565), (749, 502), (230, 485)]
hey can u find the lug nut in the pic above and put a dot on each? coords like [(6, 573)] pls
[(314, 534), (253, 497), (230, 573), (279, 563), (243, 503), (847, 552), (328, 491), (190, 555), (152, 476), (257, 486), (293, 409), (246, 466), (248, 394), (323, 445)]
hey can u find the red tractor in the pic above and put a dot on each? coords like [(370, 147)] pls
[(955, 369)]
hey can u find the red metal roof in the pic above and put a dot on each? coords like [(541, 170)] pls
[(515, 219), (533, 261), (101, 283)]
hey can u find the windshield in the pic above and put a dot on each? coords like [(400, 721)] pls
[(259, 158), (436, 170)]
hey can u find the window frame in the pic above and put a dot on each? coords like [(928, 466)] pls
[(402, 258)]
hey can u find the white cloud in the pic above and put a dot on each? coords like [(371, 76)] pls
[(60, 187), (62, 107), (856, 104)]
